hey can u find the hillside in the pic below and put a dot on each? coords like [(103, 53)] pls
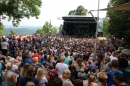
[(19, 30), (22, 29)]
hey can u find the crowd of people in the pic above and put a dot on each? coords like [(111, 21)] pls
[(55, 60)]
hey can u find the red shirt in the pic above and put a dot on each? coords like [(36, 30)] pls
[(36, 55)]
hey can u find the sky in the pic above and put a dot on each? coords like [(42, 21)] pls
[(54, 9)]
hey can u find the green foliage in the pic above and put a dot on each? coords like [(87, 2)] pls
[(16, 10), (119, 21), (39, 31), (12, 32), (47, 28), (105, 26), (79, 11), (60, 28), (1, 28)]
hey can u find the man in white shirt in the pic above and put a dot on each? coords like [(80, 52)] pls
[(61, 66), (113, 56)]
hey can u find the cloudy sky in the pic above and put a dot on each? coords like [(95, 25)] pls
[(53, 9)]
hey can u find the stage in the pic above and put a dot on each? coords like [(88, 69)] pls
[(79, 26)]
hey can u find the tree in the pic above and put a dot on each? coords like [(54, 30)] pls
[(119, 21), (79, 11), (12, 32), (105, 26), (1, 28), (15, 10), (47, 28), (39, 31), (60, 28)]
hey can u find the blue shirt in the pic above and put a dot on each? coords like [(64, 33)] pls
[(0, 69), (91, 66), (23, 81), (110, 77), (67, 60), (27, 60)]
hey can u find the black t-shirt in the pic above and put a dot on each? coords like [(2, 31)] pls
[(123, 63)]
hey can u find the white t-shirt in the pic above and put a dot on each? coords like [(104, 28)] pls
[(61, 67), (43, 81), (14, 67), (113, 58), (4, 45)]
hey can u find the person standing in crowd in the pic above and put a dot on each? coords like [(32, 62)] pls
[(58, 82), (114, 56), (4, 47), (67, 59), (72, 70), (110, 74), (119, 79), (9, 78), (51, 75), (41, 77), (61, 66), (102, 79), (28, 59), (29, 77), (65, 78)]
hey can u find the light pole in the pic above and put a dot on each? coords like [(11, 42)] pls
[(97, 28)]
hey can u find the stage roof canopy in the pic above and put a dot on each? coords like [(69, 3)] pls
[(122, 7)]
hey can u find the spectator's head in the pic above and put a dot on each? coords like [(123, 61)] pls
[(79, 62), (89, 62), (40, 74), (114, 53), (4, 40), (66, 74), (62, 59), (9, 66), (93, 70), (66, 54), (30, 72), (122, 55), (91, 79), (24, 69), (29, 54), (35, 51), (78, 82), (51, 66), (102, 77), (70, 62), (35, 60), (118, 78), (58, 82), (114, 63), (107, 59)]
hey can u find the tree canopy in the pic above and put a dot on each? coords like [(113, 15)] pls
[(47, 28), (119, 21), (12, 32), (15, 10), (79, 11), (1, 28)]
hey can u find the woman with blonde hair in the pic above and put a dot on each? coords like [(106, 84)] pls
[(65, 78), (92, 80), (10, 79), (102, 78), (40, 76)]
